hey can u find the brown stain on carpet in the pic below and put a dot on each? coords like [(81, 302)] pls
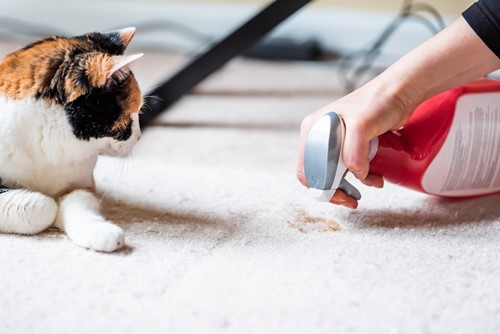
[(307, 224)]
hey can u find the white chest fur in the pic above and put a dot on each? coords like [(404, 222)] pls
[(38, 150)]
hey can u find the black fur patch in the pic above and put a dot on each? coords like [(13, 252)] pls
[(41, 41), (94, 115), (57, 73), (110, 42), (53, 82)]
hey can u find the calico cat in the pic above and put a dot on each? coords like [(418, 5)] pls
[(64, 101)]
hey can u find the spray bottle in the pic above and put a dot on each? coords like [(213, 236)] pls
[(450, 147)]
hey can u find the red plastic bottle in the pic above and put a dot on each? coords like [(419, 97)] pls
[(450, 146)]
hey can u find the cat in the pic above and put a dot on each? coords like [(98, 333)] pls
[(63, 102)]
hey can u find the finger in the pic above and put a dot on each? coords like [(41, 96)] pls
[(305, 126), (340, 198), (355, 152), (300, 172), (300, 163), (351, 203), (373, 180)]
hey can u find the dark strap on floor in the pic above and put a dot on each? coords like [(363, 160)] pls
[(202, 66)]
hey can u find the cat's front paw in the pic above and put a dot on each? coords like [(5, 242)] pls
[(26, 212), (100, 236)]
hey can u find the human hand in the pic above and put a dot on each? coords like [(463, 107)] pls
[(453, 57), (367, 113)]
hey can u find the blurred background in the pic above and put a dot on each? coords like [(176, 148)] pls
[(372, 33), (180, 25)]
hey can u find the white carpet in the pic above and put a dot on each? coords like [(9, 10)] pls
[(223, 239)]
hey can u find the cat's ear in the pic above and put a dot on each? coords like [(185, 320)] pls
[(125, 35), (119, 62), (102, 67), (98, 68)]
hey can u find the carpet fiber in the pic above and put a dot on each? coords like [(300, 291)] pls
[(222, 238)]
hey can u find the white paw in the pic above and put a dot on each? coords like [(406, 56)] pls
[(100, 236), (26, 212)]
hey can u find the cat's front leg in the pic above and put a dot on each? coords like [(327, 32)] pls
[(79, 217), (25, 212)]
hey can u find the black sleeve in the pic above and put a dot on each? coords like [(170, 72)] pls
[(484, 18)]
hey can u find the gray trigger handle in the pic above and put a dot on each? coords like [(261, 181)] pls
[(349, 189), (323, 166)]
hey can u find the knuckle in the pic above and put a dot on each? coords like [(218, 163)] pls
[(307, 122)]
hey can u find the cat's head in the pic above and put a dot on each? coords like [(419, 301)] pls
[(88, 76)]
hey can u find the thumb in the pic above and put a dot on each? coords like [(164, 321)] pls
[(355, 152)]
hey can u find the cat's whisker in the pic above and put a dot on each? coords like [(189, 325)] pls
[(123, 170), (103, 195), (147, 97), (120, 170), (129, 162), (154, 97), (123, 166)]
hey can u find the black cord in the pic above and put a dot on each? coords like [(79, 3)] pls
[(355, 67)]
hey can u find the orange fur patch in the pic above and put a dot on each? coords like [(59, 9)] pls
[(132, 104), (23, 72), (99, 69)]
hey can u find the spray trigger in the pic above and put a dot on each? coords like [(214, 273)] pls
[(349, 189), (323, 166)]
